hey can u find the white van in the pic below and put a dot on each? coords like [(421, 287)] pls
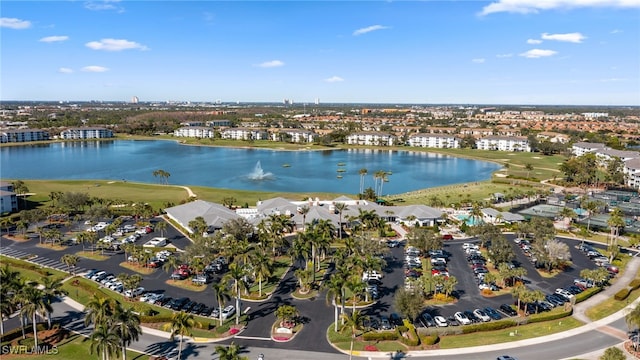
[(156, 242)]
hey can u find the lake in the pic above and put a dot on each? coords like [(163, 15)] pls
[(334, 171)]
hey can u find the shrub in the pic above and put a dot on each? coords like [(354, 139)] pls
[(155, 319), (634, 284), (402, 329), (493, 325), (411, 338), (487, 292), (622, 294), (28, 342), (380, 336), (222, 328), (547, 316), (430, 339), (587, 293)]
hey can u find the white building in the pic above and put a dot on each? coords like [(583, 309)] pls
[(295, 136), (86, 133), (581, 148), (371, 138), (440, 141), (194, 132), (23, 135), (8, 198), (631, 172), (244, 134), (504, 143)]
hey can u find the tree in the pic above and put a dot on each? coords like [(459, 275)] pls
[(409, 303), (591, 207), (615, 222), (198, 226), (231, 352), (613, 353), (222, 294), (304, 210), (33, 303), (98, 310), (529, 168), (518, 292), (287, 315), (21, 189), (236, 274), (567, 215), (71, 260), (262, 267), (105, 341), (363, 173), (51, 289), (500, 251), (181, 325), (229, 201), (353, 322), (163, 175), (633, 321), (340, 208), (127, 326), (335, 295), (161, 226)]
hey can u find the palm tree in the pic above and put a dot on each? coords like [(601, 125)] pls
[(529, 168), (356, 286), (633, 321), (304, 210), (51, 289), (71, 260), (181, 324), (355, 323), (615, 222), (8, 306), (162, 226), (127, 325), (231, 352), (286, 314), (98, 310), (363, 173), (335, 294), (222, 294), (237, 274), (518, 292), (262, 267), (591, 207), (105, 340), (33, 303), (340, 208)]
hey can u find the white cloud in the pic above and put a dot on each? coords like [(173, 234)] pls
[(575, 37), (334, 79), (102, 5), (13, 23), (271, 64), (64, 70), (115, 45), (94, 68), (535, 6), (478, 60), (616, 31), (50, 39), (504, 55), (534, 41), (538, 53), (369, 29)]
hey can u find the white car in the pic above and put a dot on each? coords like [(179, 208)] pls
[(228, 311), (481, 315), (462, 318), (367, 275), (129, 228), (116, 284), (134, 293), (440, 321)]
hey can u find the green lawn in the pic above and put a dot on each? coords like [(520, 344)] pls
[(75, 347), (30, 272)]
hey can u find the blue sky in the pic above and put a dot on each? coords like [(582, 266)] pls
[(574, 52)]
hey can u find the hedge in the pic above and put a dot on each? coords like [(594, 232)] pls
[(587, 293), (622, 294), (430, 339), (412, 338), (634, 284), (493, 325), (379, 336), (547, 316)]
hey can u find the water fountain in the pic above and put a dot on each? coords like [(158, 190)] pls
[(259, 174)]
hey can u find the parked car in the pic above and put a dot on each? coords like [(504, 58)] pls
[(427, 320), (395, 319), (507, 309), (372, 274), (440, 321), (493, 313), (462, 318), (131, 293), (385, 323), (177, 304), (481, 315), (228, 311)]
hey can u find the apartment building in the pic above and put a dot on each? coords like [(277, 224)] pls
[(440, 141), (8, 198), (504, 143), (86, 133), (371, 138), (295, 136), (581, 148), (194, 132), (23, 135), (244, 133)]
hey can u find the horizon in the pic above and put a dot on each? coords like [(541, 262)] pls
[(500, 52)]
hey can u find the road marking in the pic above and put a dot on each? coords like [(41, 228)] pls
[(611, 331), (253, 338)]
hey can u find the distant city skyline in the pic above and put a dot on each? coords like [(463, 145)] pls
[(553, 52)]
